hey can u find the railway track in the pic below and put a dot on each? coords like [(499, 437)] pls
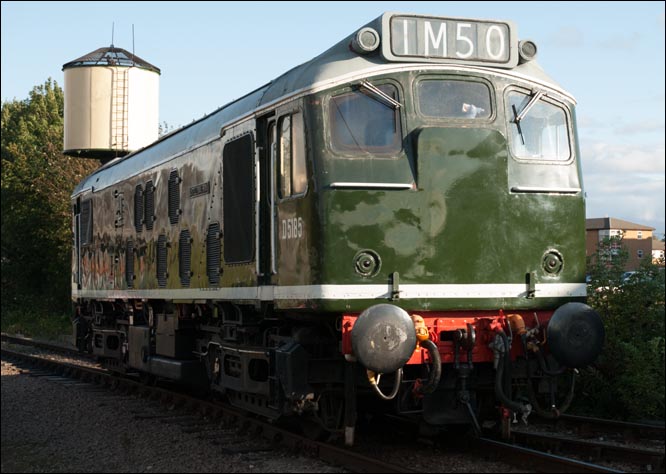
[(540, 452), (598, 440), (273, 435), (46, 345), (646, 460), (586, 426), (536, 460)]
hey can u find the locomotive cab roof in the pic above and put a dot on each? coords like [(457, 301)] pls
[(347, 61)]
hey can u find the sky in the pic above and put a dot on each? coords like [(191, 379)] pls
[(608, 55)]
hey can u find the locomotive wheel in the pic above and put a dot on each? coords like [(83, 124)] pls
[(329, 417), (213, 365), (542, 401), (148, 379), (506, 428), (313, 429)]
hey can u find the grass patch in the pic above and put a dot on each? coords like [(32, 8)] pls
[(29, 324)]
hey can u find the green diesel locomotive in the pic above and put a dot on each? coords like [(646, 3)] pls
[(397, 225)]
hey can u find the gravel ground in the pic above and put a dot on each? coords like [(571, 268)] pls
[(50, 424), (60, 426)]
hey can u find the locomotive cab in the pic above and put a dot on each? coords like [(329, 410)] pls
[(455, 217)]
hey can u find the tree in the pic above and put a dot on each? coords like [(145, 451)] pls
[(37, 180), (163, 128), (627, 380)]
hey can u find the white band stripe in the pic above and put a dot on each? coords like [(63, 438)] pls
[(348, 292)]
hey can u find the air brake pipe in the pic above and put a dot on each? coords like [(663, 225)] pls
[(374, 383), (554, 412), (524, 409), (436, 372), (545, 369), (423, 338)]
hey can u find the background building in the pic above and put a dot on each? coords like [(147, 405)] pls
[(657, 251), (637, 238)]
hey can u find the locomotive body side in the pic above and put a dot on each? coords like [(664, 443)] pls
[(361, 215)]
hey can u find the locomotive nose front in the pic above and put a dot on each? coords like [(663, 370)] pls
[(383, 338), (575, 334)]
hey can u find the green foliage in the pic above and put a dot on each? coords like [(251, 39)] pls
[(37, 180), (25, 322), (627, 381), (164, 128)]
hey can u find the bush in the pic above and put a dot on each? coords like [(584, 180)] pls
[(29, 324), (627, 380), (37, 181)]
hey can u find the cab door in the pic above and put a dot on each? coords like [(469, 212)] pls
[(292, 217), (76, 283), (266, 137), (283, 210)]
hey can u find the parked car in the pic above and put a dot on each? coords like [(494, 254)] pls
[(629, 277)]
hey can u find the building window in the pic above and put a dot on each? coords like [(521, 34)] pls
[(615, 247), (639, 234), (639, 253)]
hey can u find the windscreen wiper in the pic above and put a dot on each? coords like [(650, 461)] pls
[(517, 117), (381, 95)]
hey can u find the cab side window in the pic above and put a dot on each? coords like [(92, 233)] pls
[(362, 124), (542, 133)]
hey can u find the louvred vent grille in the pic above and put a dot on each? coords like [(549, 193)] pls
[(174, 197), (184, 257), (138, 208), (129, 264), (162, 261), (149, 205), (213, 254)]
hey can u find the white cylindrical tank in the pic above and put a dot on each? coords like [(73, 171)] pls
[(111, 104)]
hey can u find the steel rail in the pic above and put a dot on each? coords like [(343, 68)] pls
[(48, 345), (533, 459), (629, 429), (648, 459)]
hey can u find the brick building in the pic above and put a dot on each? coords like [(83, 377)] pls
[(637, 238), (658, 251)]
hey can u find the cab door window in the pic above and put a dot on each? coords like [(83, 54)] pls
[(292, 170)]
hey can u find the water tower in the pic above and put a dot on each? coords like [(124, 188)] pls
[(111, 104)]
